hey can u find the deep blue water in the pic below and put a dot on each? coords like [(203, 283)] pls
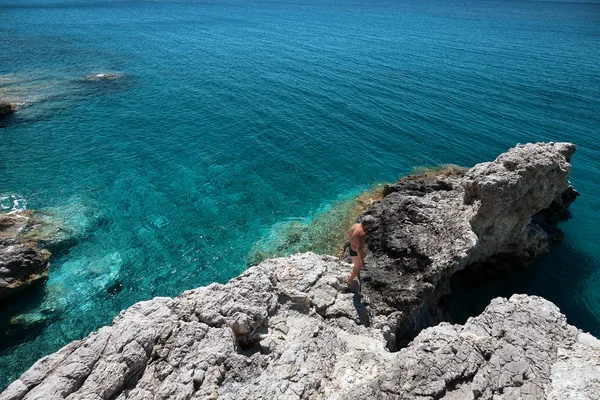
[(232, 119)]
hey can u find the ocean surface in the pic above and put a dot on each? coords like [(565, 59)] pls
[(231, 126)]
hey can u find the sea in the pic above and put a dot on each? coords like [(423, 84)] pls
[(221, 130)]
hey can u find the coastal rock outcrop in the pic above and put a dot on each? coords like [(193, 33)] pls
[(6, 109), (285, 330), (22, 263), (495, 215), (289, 329), (27, 239)]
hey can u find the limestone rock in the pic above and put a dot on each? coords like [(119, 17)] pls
[(496, 214), (284, 330), (26, 240), (22, 263), (104, 76)]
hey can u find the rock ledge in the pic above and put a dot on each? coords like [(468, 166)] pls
[(287, 329)]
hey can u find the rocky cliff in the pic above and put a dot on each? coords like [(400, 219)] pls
[(287, 329), (495, 215)]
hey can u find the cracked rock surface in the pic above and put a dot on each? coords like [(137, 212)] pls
[(285, 330), (288, 329), (494, 215), (22, 263)]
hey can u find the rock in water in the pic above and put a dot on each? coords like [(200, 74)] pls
[(6, 109), (22, 263), (285, 329), (493, 215)]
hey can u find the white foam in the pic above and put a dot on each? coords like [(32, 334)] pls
[(13, 203)]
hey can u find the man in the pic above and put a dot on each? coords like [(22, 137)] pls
[(356, 235)]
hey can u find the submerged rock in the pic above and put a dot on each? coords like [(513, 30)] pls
[(103, 76), (61, 227), (22, 263), (74, 284), (287, 328), (6, 109)]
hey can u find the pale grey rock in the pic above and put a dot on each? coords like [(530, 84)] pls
[(287, 329), (505, 194), (272, 341), (495, 215), (103, 76), (575, 375)]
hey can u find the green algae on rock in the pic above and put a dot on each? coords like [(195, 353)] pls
[(323, 233)]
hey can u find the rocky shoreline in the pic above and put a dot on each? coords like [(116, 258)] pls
[(287, 329), (28, 239)]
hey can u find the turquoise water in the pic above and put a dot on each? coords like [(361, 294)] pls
[(231, 118)]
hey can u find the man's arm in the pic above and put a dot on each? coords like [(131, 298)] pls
[(362, 254)]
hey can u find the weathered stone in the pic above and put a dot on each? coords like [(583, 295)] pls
[(285, 329), (21, 266), (22, 263), (26, 239), (496, 214), (104, 76), (518, 348)]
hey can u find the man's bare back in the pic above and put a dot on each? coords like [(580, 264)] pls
[(356, 235)]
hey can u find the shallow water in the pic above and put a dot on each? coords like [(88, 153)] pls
[(233, 119)]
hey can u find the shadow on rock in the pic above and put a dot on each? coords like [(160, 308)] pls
[(361, 311), (473, 288)]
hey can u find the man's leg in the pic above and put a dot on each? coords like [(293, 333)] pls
[(356, 270)]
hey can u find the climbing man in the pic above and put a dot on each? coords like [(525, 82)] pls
[(356, 235)]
